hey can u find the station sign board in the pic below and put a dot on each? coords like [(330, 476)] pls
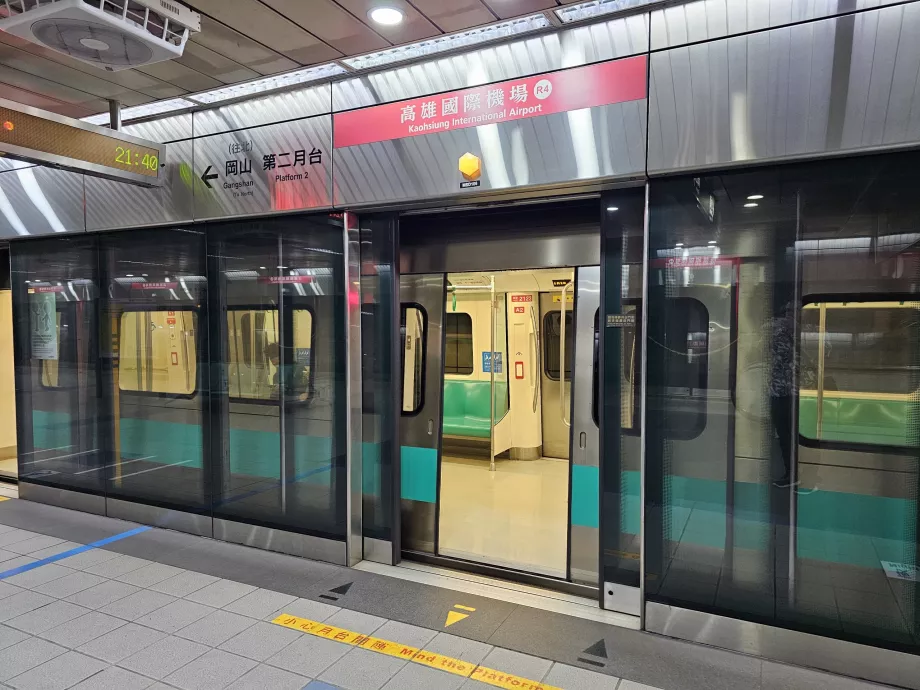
[(280, 167), (36, 136)]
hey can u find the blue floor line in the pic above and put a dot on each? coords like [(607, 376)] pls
[(73, 552)]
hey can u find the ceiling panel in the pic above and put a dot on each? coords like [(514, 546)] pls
[(180, 75), (515, 8), (206, 61), (128, 78), (415, 27), (332, 24), (242, 49), (37, 100), (60, 92), (269, 28), (455, 15)]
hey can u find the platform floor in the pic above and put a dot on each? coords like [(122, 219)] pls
[(91, 602)]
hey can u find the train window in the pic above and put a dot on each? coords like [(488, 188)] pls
[(413, 329), (859, 373), (629, 371), (552, 331), (157, 352), (51, 367), (458, 344), (255, 355)]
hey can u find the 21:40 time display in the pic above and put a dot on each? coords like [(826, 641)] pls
[(126, 156)]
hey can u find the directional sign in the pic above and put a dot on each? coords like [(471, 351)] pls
[(37, 136), (207, 176)]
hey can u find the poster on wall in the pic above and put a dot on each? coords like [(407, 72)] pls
[(43, 324)]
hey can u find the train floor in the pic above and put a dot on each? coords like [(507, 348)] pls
[(515, 517), (91, 602)]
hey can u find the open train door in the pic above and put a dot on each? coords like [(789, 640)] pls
[(421, 300)]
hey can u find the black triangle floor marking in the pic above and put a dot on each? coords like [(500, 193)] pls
[(343, 589), (598, 649)]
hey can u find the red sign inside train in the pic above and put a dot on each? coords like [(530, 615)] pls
[(605, 83), (284, 280), (522, 298)]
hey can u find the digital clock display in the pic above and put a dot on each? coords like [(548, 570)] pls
[(31, 136)]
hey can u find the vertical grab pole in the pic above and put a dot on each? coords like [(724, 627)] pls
[(492, 308), (562, 404)]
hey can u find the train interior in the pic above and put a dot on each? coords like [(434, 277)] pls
[(8, 461)]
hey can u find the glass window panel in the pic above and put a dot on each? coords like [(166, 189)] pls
[(157, 352), (458, 344), (414, 329), (552, 333)]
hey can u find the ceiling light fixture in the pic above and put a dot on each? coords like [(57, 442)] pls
[(679, 244), (386, 16), (751, 204), (712, 241), (597, 8), (613, 208), (278, 81), (441, 44), (755, 197)]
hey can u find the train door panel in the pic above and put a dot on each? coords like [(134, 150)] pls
[(421, 316), (585, 466), (556, 382)]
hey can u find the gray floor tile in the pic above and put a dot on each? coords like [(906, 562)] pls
[(59, 673), (149, 575), (55, 550), (563, 676), (7, 556), (530, 667), (63, 587), (183, 584), (114, 678), (39, 576), (306, 608), (103, 595), (116, 567), (213, 671), (418, 677), (175, 616), (90, 559), (12, 536), (356, 622), (8, 590), (137, 605), (309, 656), (81, 630), (27, 546), (221, 593), (781, 677), (261, 641), (216, 628), (121, 643), (10, 636), (260, 604), (264, 677), (21, 603), (458, 648), (362, 669), (26, 655), (17, 562), (633, 685), (406, 634), (47, 617), (164, 657)]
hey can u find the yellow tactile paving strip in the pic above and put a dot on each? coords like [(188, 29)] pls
[(412, 654)]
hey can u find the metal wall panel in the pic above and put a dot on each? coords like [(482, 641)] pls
[(40, 201), (706, 20), (568, 48), (261, 191), (840, 84), (163, 130), (608, 141), (116, 206), (315, 100)]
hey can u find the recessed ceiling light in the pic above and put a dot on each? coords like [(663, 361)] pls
[(750, 205), (755, 197), (613, 208), (712, 241), (387, 16), (679, 244)]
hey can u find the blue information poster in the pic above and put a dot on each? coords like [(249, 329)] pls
[(487, 362)]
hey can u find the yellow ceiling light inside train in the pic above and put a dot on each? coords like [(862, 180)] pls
[(470, 166)]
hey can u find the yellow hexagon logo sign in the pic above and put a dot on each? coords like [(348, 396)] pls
[(470, 166)]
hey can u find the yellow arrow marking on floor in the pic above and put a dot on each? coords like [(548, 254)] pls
[(4, 498), (455, 617)]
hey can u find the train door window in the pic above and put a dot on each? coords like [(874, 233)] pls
[(859, 372), (51, 367), (414, 333), (302, 364), (629, 370), (458, 344), (157, 352), (552, 330)]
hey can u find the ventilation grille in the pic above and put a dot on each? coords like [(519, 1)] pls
[(126, 10)]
